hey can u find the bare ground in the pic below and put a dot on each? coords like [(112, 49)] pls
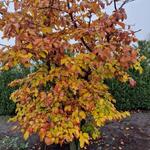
[(132, 133)]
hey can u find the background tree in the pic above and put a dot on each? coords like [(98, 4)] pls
[(66, 98)]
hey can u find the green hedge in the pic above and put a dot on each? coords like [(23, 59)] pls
[(128, 98), (7, 107)]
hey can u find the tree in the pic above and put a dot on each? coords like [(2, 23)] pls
[(76, 46)]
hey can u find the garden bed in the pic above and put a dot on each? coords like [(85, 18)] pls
[(133, 133)]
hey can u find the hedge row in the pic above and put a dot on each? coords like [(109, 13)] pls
[(128, 98)]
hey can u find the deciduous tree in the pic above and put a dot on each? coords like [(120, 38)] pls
[(76, 46)]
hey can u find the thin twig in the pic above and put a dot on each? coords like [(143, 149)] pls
[(108, 3), (124, 3), (115, 5), (138, 31), (90, 18)]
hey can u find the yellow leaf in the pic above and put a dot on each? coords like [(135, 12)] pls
[(42, 54), (5, 68), (65, 61), (84, 139), (26, 135), (138, 67), (29, 55), (82, 114), (46, 30), (125, 78), (36, 2), (95, 134), (68, 108), (29, 46)]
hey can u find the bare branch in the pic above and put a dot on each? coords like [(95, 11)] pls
[(90, 18), (115, 5), (138, 31), (108, 3), (124, 3)]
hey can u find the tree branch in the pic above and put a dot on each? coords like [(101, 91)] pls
[(90, 18), (108, 3), (124, 3), (115, 5), (75, 25), (137, 30)]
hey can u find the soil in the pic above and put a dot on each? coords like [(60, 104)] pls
[(132, 133)]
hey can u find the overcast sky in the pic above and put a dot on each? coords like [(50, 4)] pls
[(138, 13), (138, 16)]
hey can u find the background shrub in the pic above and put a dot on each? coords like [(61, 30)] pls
[(7, 107), (128, 98)]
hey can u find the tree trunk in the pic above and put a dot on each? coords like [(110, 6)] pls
[(74, 145)]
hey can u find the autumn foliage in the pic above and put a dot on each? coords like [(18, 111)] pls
[(76, 46)]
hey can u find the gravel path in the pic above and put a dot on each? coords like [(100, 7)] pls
[(132, 133)]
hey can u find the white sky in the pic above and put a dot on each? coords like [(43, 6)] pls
[(138, 16)]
